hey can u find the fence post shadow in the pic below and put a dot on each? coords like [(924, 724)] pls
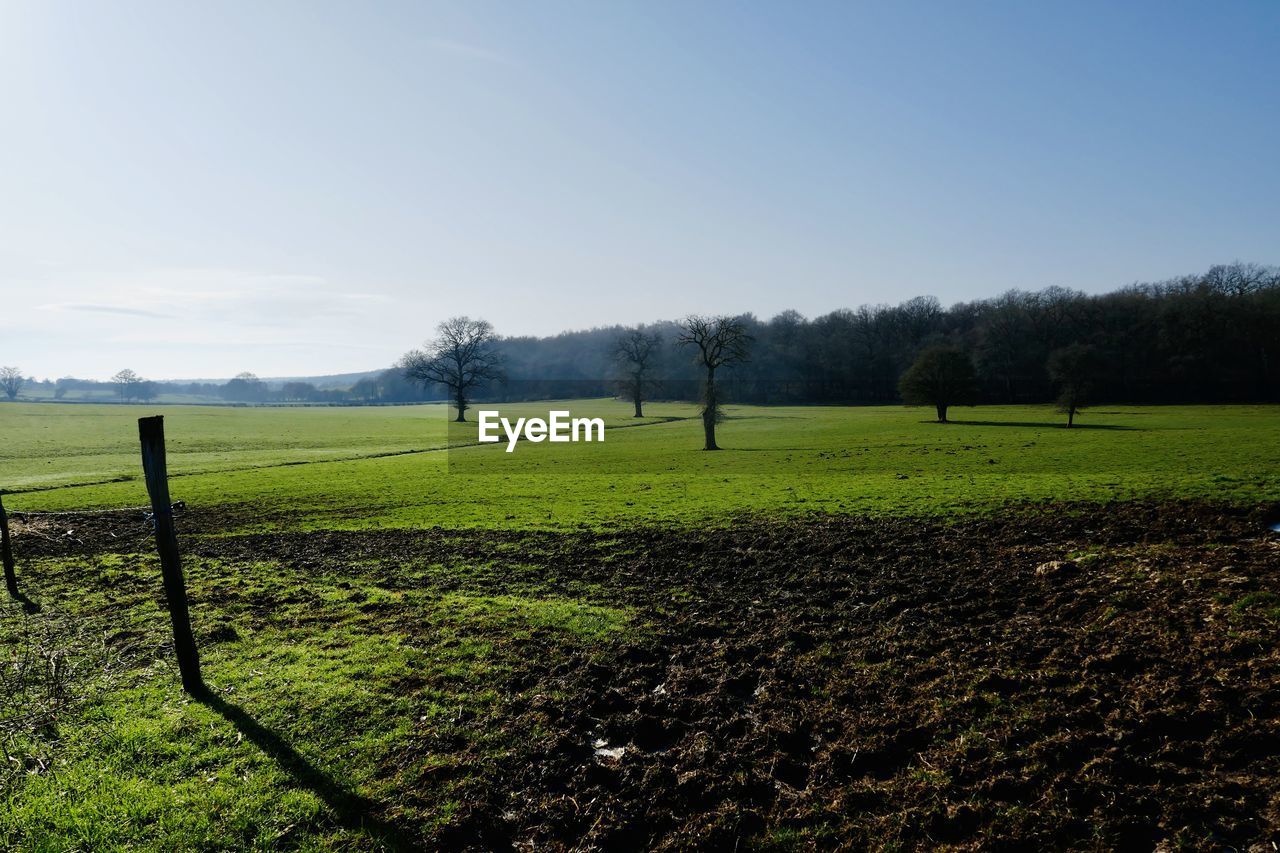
[(29, 606), (353, 810)]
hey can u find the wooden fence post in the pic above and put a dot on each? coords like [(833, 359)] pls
[(6, 553), (151, 432)]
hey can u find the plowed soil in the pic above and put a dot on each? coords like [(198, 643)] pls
[(1092, 677)]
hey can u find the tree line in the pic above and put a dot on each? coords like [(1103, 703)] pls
[(127, 386), (1211, 337)]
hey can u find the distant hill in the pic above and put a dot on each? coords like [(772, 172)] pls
[(334, 380), (327, 382)]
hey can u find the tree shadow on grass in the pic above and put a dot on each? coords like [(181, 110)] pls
[(652, 420), (1043, 425), (353, 811), (728, 417)]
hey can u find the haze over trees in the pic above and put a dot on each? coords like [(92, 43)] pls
[(127, 383), (941, 377), (1212, 337), (462, 357), (245, 387), (11, 381), (297, 392), (716, 342), (636, 354)]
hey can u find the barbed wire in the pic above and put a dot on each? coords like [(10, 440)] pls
[(144, 515)]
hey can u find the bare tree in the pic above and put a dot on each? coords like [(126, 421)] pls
[(1075, 370), (1240, 279), (126, 382), (719, 341), (941, 377), (916, 318), (461, 357), (11, 381), (635, 353)]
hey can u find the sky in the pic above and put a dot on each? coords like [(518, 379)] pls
[(302, 188)]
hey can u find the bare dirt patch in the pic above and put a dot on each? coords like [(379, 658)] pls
[(1069, 676)]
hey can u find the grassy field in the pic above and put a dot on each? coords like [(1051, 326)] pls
[(388, 467), (378, 686), (58, 445), (291, 650)]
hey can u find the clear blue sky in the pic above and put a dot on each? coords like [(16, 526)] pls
[(195, 189)]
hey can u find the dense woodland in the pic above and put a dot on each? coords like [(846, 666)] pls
[(1213, 337)]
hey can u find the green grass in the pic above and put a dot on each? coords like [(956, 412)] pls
[(1263, 601), (387, 680), (300, 655), (51, 445), (777, 460), (334, 468)]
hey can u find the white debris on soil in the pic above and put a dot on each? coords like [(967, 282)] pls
[(604, 752)]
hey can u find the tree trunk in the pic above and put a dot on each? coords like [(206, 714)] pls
[(709, 411), (942, 413), (1071, 416), (637, 393), (461, 402)]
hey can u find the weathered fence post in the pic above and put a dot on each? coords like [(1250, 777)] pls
[(151, 432), (6, 553)]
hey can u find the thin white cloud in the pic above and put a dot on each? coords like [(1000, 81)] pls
[(208, 339), (468, 51), (105, 309), (176, 322), (214, 297)]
